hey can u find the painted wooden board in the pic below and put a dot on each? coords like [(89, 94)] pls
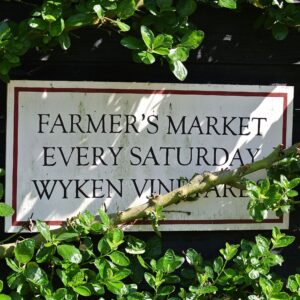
[(73, 146)]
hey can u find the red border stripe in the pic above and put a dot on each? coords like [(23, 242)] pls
[(17, 91)]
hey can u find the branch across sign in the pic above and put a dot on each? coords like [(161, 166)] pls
[(75, 146)]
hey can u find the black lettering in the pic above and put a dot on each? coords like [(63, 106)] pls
[(41, 122), (90, 123), (135, 155), (130, 124), (59, 123), (115, 121), (244, 126), (44, 188), (227, 127), (119, 191), (152, 123), (212, 125), (78, 188), (181, 125), (66, 161), (46, 156), (259, 124), (75, 123)]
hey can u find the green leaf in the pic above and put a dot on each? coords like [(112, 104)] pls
[(119, 258), (6, 210), (78, 20), (66, 236), (37, 23), (218, 264), (45, 253), (121, 274), (24, 251), (192, 39), (165, 290), (292, 284), (13, 265), (44, 230), (56, 28), (104, 217), (169, 262), (186, 7), (230, 251), (283, 241), (126, 9), (280, 31), (116, 237), (103, 246), (178, 69), (115, 287), (99, 11), (135, 245), (122, 26), (179, 53), (146, 57), (64, 41), (83, 290), (4, 30), (254, 274), (193, 257), (147, 36), (35, 274), (262, 243), (231, 4), (150, 279), (292, 193), (294, 182), (5, 297), (131, 42), (69, 253)]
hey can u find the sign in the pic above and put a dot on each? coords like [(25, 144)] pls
[(75, 146)]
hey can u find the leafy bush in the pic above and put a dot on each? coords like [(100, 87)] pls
[(71, 264)]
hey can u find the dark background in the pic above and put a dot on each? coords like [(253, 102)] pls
[(232, 53)]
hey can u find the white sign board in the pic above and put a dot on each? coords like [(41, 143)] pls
[(75, 146)]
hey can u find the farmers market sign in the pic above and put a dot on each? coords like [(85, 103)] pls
[(75, 146)]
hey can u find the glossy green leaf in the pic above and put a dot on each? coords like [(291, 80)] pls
[(64, 41), (131, 42), (37, 23), (147, 36), (69, 253), (178, 69), (44, 230), (83, 290), (24, 251), (146, 57), (5, 297), (99, 11), (5, 210), (119, 258), (126, 8), (192, 39), (115, 287), (56, 28), (231, 4), (35, 274), (122, 26), (186, 8), (104, 217)]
